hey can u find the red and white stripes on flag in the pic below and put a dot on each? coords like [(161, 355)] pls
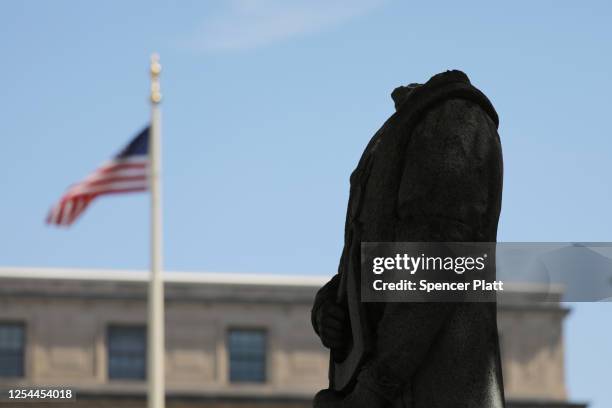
[(125, 173)]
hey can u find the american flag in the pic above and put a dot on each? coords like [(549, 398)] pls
[(127, 172)]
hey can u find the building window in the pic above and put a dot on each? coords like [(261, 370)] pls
[(12, 345), (127, 352), (247, 355)]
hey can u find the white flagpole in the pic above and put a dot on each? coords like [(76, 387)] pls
[(156, 355)]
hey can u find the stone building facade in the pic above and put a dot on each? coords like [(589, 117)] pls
[(231, 340)]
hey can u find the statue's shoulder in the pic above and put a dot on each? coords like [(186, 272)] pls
[(413, 103)]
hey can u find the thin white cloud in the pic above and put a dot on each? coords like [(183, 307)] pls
[(246, 24)]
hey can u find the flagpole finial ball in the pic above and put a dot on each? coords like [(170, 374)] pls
[(155, 72), (155, 65)]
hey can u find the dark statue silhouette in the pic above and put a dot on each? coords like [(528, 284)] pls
[(432, 173)]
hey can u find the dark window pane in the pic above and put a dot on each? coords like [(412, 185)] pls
[(12, 339), (247, 355), (127, 352)]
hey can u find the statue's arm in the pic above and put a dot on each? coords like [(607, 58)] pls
[(453, 165)]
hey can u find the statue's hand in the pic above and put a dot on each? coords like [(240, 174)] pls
[(327, 399), (359, 398), (333, 325)]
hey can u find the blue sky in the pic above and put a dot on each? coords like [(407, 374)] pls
[(268, 105)]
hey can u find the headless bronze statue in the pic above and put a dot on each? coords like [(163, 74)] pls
[(432, 173)]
